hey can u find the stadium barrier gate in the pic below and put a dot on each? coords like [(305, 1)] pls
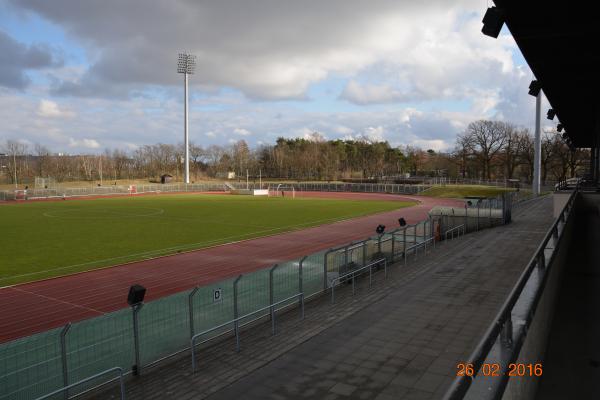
[(65, 358)]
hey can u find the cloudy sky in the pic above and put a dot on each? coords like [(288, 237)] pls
[(82, 76)]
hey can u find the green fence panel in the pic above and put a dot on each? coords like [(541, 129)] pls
[(253, 294), (31, 367), (286, 282), (312, 274), (213, 306), (164, 327), (97, 344)]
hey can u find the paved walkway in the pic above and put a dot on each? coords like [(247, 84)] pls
[(400, 340)]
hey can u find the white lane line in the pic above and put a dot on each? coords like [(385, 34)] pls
[(58, 300)]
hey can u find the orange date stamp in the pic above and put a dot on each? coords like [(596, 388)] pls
[(495, 369)]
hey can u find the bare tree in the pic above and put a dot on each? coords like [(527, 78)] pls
[(488, 138), (15, 152)]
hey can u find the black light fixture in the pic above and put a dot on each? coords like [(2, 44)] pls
[(136, 295), (380, 229), (559, 127), (551, 114), (493, 20), (402, 221), (534, 88)]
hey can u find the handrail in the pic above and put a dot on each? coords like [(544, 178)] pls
[(270, 307), (457, 228), (354, 272), (89, 378), (503, 319), (417, 245)]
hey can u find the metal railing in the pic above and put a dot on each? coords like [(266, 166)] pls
[(503, 333), (236, 327), (415, 248), (458, 229), (65, 390), (358, 272)]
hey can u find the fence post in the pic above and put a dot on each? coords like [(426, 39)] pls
[(466, 216), (137, 368), (325, 257), (272, 297), (364, 253), (191, 310), (301, 287), (431, 230), (393, 244), (236, 323), (541, 260), (507, 331), (404, 245), (379, 244), (63, 357), (346, 256)]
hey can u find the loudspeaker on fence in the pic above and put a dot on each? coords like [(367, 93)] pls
[(136, 294)]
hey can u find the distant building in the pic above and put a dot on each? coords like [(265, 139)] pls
[(166, 178)]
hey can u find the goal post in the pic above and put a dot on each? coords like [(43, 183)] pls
[(282, 190)]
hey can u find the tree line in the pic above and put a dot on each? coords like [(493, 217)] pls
[(485, 150)]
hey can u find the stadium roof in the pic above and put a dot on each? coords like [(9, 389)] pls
[(559, 40)]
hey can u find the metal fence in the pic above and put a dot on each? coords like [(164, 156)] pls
[(110, 190), (393, 188), (206, 187), (33, 366)]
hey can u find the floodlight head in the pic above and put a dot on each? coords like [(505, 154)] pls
[(493, 20), (551, 114), (534, 88), (186, 63), (559, 127)]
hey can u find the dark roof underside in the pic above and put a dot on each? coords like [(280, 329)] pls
[(559, 41)]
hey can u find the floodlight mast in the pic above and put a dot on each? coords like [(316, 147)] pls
[(186, 63)]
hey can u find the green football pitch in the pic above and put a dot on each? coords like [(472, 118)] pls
[(47, 239)]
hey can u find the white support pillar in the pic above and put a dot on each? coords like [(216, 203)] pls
[(186, 135), (537, 163)]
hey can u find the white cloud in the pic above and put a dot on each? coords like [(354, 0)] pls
[(242, 132), (50, 109), (84, 143), (314, 137), (369, 94), (437, 145), (374, 134)]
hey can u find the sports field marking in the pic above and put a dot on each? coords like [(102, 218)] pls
[(58, 300), (148, 255), (103, 213)]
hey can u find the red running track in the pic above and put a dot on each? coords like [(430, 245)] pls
[(34, 307)]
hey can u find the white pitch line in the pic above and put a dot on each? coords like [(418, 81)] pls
[(58, 300)]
